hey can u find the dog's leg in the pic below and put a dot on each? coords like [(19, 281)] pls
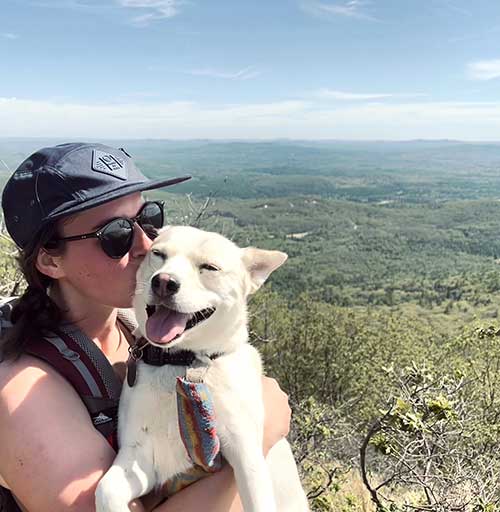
[(244, 452), (130, 476), (236, 386), (288, 492)]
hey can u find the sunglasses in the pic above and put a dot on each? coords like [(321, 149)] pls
[(117, 235)]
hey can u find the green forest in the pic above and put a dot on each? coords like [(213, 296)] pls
[(383, 325)]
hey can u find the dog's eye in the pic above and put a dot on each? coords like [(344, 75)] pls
[(159, 254), (209, 266)]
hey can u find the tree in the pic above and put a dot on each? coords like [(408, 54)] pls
[(432, 440)]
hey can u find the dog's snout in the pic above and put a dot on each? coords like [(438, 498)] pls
[(164, 285)]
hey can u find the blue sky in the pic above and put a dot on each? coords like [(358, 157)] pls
[(303, 69)]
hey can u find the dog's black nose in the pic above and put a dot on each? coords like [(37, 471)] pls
[(164, 285)]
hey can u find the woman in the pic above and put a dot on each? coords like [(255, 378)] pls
[(60, 207)]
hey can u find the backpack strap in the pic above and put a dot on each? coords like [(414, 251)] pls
[(127, 318)]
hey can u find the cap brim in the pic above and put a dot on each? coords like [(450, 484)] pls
[(116, 194)]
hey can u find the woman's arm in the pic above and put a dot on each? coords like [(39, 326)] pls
[(216, 492), (277, 413), (51, 455)]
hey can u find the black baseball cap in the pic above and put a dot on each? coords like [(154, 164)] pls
[(66, 179)]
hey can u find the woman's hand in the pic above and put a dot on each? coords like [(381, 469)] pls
[(277, 413), (146, 503), (136, 506)]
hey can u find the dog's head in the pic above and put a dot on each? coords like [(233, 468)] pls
[(192, 287)]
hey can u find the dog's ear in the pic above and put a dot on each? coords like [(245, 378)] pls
[(260, 263)]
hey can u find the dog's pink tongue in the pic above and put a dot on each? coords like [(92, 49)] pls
[(164, 325)]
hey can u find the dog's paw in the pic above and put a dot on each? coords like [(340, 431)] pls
[(106, 501)]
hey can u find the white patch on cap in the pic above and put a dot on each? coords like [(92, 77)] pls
[(23, 175), (109, 164)]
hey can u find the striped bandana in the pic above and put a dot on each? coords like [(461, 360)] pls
[(197, 425)]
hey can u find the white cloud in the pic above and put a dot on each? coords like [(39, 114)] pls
[(8, 35), (282, 119), (451, 6), (77, 5), (242, 74), (349, 96), (330, 94), (156, 9), (349, 9), (152, 9), (484, 69)]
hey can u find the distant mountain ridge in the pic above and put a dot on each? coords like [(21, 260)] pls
[(373, 171)]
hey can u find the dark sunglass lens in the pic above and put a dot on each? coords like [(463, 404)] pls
[(151, 219), (116, 238), (152, 215)]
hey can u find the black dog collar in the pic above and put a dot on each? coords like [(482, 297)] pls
[(142, 350)]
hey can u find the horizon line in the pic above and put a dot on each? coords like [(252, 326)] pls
[(256, 140)]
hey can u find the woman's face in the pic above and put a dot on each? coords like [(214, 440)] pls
[(87, 271)]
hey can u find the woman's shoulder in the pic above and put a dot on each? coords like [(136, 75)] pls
[(47, 439), (30, 386), (22, 373)]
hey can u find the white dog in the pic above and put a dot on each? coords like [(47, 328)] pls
[(191, 296)]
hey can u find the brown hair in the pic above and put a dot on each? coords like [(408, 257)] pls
[(35, 312)]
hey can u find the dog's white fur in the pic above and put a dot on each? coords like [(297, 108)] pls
[(151, 450)]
